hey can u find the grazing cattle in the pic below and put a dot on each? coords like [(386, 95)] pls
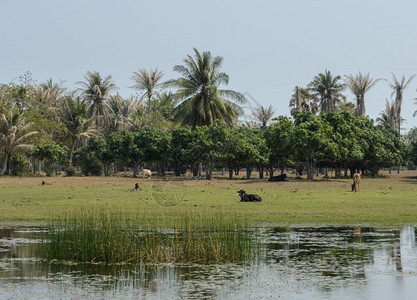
[(248, 197), (282, 177), (356, 181), (147, 173)]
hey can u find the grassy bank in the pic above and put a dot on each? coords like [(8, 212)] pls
[(390, 200), (100, 236)]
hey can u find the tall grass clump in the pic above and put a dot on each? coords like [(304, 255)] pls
[(112, 238)]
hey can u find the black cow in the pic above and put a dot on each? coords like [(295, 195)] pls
[(248, 197), (282, 177)]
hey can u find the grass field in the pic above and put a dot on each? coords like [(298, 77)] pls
[(389, 200)]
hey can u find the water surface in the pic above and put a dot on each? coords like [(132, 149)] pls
[(294, 263)]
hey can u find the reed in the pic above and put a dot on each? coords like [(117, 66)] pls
[(105, 237)]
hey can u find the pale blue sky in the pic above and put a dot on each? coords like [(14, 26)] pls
[(269, 47)]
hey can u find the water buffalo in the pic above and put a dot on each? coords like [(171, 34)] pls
[(248, 197), (282, 177)]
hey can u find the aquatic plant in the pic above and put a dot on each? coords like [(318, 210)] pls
[(112, 238)]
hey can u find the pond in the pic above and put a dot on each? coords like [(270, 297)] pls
[(294, 263)]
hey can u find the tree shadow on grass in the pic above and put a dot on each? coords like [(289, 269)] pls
[(410, 179)]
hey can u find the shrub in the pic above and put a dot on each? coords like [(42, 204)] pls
[(70, 171)]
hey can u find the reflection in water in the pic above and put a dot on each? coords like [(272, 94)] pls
[(313, 263)]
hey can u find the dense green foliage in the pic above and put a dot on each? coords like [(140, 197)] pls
[(189, 123)]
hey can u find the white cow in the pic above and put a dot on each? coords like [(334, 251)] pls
[(147, 173)]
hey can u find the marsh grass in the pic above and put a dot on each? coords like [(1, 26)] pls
[(103, 237)]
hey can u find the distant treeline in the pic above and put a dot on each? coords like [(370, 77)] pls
[(190, 123), (332, 140)]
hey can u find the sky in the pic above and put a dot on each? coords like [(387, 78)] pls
[(268, 46)]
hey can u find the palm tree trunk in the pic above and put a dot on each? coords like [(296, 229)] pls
[(149, 103), (200, 169), (310, 169), (71, 154), (399, 132), (209, 170), (248, 172), (261, 172), (230, 173), (3, 170), (271, 171), (135, 169), (297, 99)]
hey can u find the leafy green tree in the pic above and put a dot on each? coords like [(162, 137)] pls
[(385, 148), (328, 88), (187, 148), (359, 85), (153, 146), (255, 151), (88, 157), (212, 143), (349, 149), (413, 151), (17, 95), (50, 155), (312, 140), (128, 152), (198, 89), (278, 138), (20, 165), (244, 147), (233, 151), (96, 91), (108, 151)]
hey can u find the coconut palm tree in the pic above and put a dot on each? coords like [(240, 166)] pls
[(148, 82), (120, 111), (263, 115), (13, 132), (359, 85), (388, 116), (398, 89), (202, 102), (49, 97), (49, 85), (75, 118), (96, 91), (328, 89), (302, 100), (415, 102)]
